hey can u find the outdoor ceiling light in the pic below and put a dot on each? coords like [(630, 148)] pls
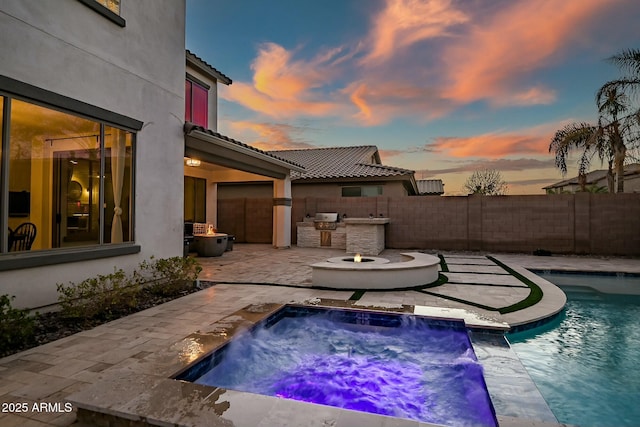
[(192, 162)]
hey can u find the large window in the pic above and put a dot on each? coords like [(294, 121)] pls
[(195, 199), (196, 103), (68, 180), (110, 9)]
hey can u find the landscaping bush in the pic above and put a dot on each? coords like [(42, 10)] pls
[(106, 296), (16, 326), (169, 276), (100, 296)]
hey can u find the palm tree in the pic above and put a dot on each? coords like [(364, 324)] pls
[(627, 61), (583, 136), (613, 102)]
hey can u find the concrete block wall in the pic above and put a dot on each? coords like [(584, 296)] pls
[(605, 224)]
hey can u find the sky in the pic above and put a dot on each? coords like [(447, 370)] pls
[(441, 87)]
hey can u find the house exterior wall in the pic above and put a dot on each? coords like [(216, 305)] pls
[(137, 71), (334, 189), (299, 190)]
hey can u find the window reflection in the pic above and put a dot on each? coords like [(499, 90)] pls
[(55, 180)]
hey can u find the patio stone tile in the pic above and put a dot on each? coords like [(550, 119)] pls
[(465, 268), (485, 279), (139, 344), (26, 365), (15, 420), (42, 387), (468, 260)]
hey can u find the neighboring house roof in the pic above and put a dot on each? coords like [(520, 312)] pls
[(340, 162), (344, 163), (430, 186), (189, 128), (200, 65), (594, 177)]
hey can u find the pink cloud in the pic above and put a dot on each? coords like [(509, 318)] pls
[(283, 87), (522, 37), (379, 101), (403, 23), (492, 145), (270, 136)]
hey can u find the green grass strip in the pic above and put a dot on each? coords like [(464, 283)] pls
[(534, 297), (450, 298), (357, 295), (443, 264)]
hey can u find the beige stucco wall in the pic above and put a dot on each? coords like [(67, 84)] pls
[(258, 190), (137, 71)]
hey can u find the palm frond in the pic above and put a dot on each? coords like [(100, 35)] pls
[(627, 60), (631, 85), (572, 136)]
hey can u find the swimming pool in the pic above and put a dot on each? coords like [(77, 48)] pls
[(398, 365), (585, 363)]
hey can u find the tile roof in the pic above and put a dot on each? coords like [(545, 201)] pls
[(190, 127), (205, 67), (340, 162), (430, 186)]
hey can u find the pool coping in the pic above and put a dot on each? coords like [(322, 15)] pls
[(144, 392)]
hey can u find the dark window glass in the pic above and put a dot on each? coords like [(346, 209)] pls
[(195, 198), (196, 104)]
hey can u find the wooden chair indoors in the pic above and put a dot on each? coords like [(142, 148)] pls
[(22, 237)]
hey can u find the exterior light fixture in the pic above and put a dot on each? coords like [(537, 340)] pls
[(192, 162)]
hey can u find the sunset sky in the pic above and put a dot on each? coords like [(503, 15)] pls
[(442, 87)]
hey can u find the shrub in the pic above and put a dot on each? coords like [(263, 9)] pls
[(17, 328), (107, 295), (101, 296), (169, 276)]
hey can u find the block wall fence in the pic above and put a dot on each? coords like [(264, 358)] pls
[(602, 224)]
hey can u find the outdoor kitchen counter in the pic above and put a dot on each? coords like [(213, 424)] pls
[(365, 235)]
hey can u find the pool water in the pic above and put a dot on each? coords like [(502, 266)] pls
[(586, 364), (401, 366)]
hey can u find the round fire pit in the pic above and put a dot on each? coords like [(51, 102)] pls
[(369, 260), (376, 273)]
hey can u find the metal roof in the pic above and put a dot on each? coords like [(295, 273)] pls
[(340, 162)]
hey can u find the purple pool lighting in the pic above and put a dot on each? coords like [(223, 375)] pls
[(397, 365)]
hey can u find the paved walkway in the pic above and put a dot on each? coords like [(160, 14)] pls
[(133, 345)]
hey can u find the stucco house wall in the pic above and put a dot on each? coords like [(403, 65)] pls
[(137, 71), (389, 189)]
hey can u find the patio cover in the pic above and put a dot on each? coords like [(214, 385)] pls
[(213, 147)]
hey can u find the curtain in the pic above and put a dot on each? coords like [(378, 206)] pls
[(118, 160)]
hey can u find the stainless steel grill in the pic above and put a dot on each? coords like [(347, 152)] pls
[(326, 221)]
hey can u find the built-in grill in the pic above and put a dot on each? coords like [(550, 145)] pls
[(188, 237), (326, 221)]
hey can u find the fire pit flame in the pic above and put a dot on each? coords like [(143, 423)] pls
[(357, 258), (211, 230)]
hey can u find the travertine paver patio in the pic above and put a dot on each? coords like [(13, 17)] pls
[(52, 372)]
